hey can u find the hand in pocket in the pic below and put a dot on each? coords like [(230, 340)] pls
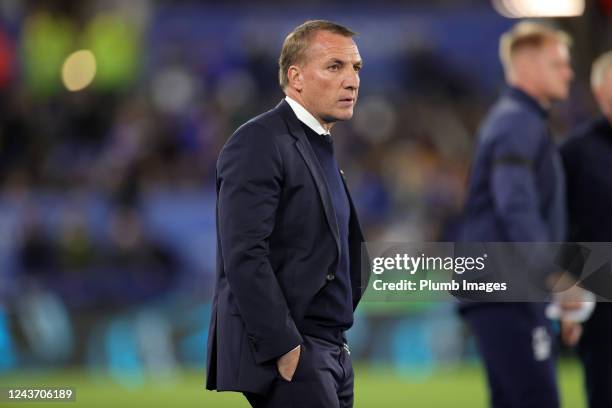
[(287, 363)]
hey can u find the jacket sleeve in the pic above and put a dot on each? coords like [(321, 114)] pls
[(249, 181), (513, 183)]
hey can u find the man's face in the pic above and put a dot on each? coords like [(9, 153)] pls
[(329, 77), (553, 70), (603, 94)]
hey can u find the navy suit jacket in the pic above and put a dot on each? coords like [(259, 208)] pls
[(278, 247)]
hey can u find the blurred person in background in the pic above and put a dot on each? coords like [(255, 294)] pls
[(289, 242), (516, 194), (44, 320), (38, 255), (587, 155), (141, 267)]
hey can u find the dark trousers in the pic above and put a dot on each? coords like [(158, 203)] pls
[(322, 379), (595, 350), (516, 342)]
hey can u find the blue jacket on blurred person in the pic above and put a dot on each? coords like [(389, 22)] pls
[(516, 194), (516, 191)]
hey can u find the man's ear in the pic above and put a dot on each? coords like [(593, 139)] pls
[(295, 78)]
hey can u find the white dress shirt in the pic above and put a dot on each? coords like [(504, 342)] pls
[(306, 117)]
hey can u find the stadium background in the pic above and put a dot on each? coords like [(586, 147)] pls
[(107, 241)]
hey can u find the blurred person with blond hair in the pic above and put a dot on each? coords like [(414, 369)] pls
[(587, 154), (516, 194), (289, 272)]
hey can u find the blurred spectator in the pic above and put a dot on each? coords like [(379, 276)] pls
[(138, 268), (39, 256)]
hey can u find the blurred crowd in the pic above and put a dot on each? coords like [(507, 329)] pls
[(79, 170)]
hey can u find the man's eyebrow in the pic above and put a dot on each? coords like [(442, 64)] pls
[(341, 61)]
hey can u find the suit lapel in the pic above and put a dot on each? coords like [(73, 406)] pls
[(305, 149), (353, 212)]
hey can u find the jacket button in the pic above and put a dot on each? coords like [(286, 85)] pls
[(330, 277)]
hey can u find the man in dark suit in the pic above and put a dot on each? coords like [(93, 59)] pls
[(289, 262), (587, 155), (516, 194)]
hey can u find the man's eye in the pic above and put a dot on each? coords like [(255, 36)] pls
[(357, 68), (333, 67)]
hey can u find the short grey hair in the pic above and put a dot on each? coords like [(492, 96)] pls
[(600, 67), (297, 42)]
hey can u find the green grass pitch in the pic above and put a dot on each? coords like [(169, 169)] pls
[(378, 387)]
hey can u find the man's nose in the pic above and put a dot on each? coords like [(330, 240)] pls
[(351, 81)]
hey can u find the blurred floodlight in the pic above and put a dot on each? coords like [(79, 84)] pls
[(509, 8), (539, 8), (79, 70)]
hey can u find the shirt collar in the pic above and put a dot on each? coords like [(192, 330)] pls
[(306, 117), (526, 99)]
